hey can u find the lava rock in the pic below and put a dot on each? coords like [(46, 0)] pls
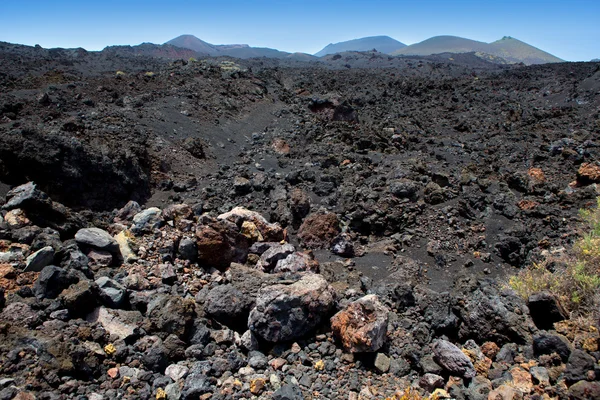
[(51, 282), (362, 325), (80, 298), (268, 260), (452, 359), (489, 315), (111, 293), (187, 249), (288, 392), (287, 312), (547, 343), (229, 306), (39, 260), (578, 366), (147, 220), (318, 230), (97, 238), (545, 309)]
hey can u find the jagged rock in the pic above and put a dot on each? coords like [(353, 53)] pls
[(112, 293), (41, 210), (25, 196), (588, 173), (297, 262), (80, 298), (219, 243), (269, 232), (288, 392), (430, 382), (545, 309), (362, 325), (171, 314), (404, 188), (318, 230), (177, 212), (126, 213), (99, 258), (120, 323), (229, 306), (187, 249), (39, 260), (147, 220), (269, 259), (287, 312), (452, 359), (195, 385), (578, 366), (97, 238), (547, 343), (489, 315), (342, 246), (584, 390), (51, 282), (299, 205), (382, 363)]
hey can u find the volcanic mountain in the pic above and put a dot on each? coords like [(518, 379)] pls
[(233, 50), (383, 44), (508, 48)]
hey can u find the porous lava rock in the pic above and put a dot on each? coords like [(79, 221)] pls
[(362, 325)]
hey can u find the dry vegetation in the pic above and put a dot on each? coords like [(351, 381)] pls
[(573, 277)]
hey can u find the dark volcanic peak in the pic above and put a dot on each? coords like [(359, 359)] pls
[(507, 48), (383, 44), (193, 43)]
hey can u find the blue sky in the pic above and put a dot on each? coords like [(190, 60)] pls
[(569, 29)]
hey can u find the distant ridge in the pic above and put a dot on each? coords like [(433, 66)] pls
[(232, 50), (383, 44), (508, 48)]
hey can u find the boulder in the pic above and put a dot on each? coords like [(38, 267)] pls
[(97, 238), (287, 312), (269, 259), (452, 359), (219, 243), (318, 230), (268, 231), (171, 314), (588, 173), (362, 325), (146, 221), (112, 294), (187, 249), (123, 324), (545, 309), (491, 315), (80, 298), (548, 343), (229, 306), (580, 363), (297, 262), (584, 390), (51, 282), (39, 260)]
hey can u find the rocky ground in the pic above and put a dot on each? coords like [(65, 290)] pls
[(276, 229)]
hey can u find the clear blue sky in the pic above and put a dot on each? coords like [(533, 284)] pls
[(569, 29)]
